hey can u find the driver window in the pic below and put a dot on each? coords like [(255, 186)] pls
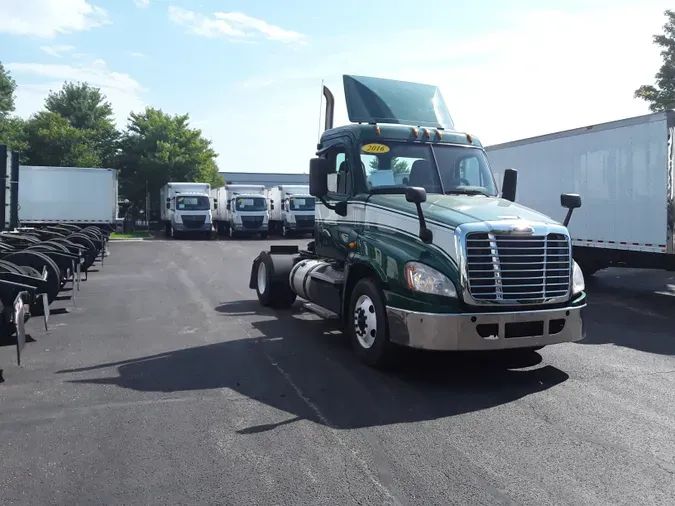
[(339, 180)]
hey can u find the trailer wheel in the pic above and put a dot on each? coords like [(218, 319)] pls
[(271, 293), (367, 325), (38, 261)]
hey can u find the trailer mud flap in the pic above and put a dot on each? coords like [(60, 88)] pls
[(19, 321), (45, 310)]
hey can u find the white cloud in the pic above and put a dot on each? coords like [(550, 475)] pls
[(123, 92), (550, 71), (57, 50), (141, 3), (231, 25), (48, 18), (137, 54)]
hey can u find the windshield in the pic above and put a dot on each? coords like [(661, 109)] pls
[(462, 169), (251, 204), (301, 203), (193, 203)]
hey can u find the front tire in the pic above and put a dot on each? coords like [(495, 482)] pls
[(367, 325)]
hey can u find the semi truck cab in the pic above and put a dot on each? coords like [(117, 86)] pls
[(415, 245)]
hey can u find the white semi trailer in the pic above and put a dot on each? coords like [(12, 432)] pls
[(291, 210), (186, 209), (53, 195), (623, 169)]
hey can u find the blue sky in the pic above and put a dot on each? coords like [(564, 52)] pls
[(249, 73)]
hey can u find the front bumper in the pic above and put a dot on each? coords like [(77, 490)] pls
[(238, 227), (180, 227), (485, 331), (301, 227)]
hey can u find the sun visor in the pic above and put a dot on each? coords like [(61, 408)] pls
[(375, 100)]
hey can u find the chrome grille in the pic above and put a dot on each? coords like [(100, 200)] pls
[(521, 269)]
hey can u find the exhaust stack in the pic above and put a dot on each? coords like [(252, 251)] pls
[(330, 109)]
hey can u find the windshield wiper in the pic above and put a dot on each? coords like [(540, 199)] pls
[(467, 191)]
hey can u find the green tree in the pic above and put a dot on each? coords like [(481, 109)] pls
[(158, 148), (54, 141), (397, 166), (661, 96), (11, 127), (87, 109), (7, 90)]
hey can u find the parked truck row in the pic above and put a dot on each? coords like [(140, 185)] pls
[(236, 210)]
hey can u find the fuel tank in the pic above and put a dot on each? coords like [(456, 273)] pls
[(319, 282)]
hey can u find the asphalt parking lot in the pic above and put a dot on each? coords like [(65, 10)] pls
[(170, 385)]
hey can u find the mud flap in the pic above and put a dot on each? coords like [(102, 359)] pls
[(45, 310), (18, 317), (253, 280)]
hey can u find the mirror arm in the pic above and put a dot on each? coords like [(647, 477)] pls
[(325, 203), (568, 217), (426, 235)]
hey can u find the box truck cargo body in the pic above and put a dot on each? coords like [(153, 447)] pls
[(186, 209), (623, 170), (67, 195)]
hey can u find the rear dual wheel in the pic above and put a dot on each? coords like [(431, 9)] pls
[(272, 293)]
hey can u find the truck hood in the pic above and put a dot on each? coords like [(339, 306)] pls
[(455, 210)]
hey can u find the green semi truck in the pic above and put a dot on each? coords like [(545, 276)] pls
[(415, 245)]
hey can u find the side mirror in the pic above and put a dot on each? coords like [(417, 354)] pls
[(168, 205), (272, 205), (318, 177), (228, 206), (509, 185), (215, 204), (417, 195), (570, 201)]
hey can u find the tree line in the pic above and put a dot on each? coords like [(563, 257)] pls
[(76, 128)]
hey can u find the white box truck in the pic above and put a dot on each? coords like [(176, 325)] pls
[(291, 210), (242, 210), (51, 195), (186, 209), (623, 169)]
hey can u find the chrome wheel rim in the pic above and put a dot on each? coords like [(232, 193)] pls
[(262, 277), (365, 321)]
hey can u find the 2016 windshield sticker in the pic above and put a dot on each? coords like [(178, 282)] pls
[(375, 148)]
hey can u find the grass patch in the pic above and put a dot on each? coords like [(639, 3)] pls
[(132, 235)]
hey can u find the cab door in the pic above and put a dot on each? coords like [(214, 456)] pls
[(334, 232)]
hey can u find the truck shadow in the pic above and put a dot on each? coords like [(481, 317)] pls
[(633, 309), (303, 367)]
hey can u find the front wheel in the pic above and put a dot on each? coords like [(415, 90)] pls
[(367, 325)]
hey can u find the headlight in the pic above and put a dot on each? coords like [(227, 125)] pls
[(578, 283), (422, 278)]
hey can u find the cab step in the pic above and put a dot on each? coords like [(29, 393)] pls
[(324, 313)]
